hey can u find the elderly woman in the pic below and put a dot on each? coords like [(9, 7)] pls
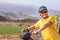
[(46, 25)]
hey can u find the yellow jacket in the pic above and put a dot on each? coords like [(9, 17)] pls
[(50, 33)]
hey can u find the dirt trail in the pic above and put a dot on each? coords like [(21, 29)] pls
[(9, 37)]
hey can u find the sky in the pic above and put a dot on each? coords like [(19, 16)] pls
[(50, 4)]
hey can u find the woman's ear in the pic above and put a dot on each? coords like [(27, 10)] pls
[(40, 14)]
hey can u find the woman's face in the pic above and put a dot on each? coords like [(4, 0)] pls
[(43, 14)]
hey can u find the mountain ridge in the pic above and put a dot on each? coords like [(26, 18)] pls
[(20, 12)]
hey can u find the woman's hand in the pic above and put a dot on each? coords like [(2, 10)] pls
[(35, 32)]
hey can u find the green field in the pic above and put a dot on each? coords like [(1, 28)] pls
[(12, 28), (9, 30)]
